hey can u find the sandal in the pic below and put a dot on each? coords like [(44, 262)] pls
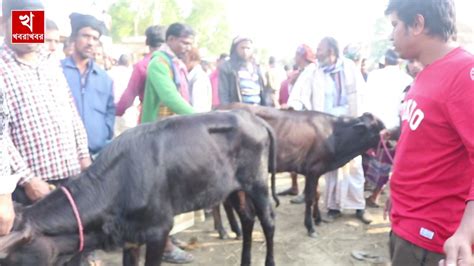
[(298, 199), (365, 256), (177, 256), (370, 203), (288, 192), (178, 242)]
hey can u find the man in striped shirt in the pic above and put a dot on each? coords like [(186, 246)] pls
[(45, 128), (240, 79), (7, 181)]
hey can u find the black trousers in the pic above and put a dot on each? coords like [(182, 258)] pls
[(404, 253)]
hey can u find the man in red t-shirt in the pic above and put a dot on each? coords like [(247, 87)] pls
[(432, 186)]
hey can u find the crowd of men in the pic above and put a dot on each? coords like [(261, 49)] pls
[(57, 115)]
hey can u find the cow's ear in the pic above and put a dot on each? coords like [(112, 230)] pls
[(368, 116), (14, 238)]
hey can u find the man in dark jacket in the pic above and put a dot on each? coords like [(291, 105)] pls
[(240, 79)]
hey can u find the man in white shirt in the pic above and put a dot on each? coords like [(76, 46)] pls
[(333, 87), (384, 91)]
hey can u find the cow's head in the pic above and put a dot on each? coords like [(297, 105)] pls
[(37, 251), (23, 246), (353, 136), (369, 128)]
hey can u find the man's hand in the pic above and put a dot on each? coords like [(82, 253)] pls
[(385, 134), (458, 251), (36, 189), (7, 214), (387, 209), (458, 248), (85, 162)]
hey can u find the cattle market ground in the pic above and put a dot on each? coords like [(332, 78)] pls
[(333, 246)]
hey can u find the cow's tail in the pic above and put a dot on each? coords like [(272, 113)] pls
[(272, 161)]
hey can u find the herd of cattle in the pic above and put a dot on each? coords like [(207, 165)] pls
[(155, 171)]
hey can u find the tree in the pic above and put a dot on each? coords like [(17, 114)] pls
[(207, 18), (122, 20), (381, 41), (168, 12)]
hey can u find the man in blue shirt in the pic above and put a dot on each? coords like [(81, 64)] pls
[(90, 85)]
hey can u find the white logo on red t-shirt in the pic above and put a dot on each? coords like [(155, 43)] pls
[(426, 233), (472, 73), (412, 115)]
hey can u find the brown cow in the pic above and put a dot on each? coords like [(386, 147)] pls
[(313, 143)]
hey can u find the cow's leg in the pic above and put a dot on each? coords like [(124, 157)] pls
[(247, 219), (154, 252), (216, 213), (155, 247), (131, 255), (309, 192), (316, 211), (266, 216), (234, 225)]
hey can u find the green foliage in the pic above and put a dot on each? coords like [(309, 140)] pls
[(169, 12), (206, 17), (381, 40), (122, 19)]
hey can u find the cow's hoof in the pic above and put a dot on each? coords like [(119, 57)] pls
[(313, 235), (269, 263), (223, 236)]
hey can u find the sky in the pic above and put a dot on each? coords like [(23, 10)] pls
[(281, 25)]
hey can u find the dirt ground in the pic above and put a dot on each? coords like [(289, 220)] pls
[(333, 246)]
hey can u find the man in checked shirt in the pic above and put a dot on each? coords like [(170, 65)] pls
[(7, 181), (45, 128)]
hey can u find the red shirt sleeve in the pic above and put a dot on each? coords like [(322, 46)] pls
[(460, 109), (136, 86)]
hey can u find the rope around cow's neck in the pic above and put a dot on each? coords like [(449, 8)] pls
[(78, 218), (385, 148)]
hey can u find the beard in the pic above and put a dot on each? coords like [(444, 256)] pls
[(83, 54)]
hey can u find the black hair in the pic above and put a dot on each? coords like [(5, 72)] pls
[(124, 60), (154, 36), (179, 30), (391, 58), (79, 21), (234, 56), (271, 60), (439, 15), (332, 44), (51, 25), (223, 56), (66, 42)]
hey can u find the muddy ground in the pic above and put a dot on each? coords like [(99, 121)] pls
[(333, 246)]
